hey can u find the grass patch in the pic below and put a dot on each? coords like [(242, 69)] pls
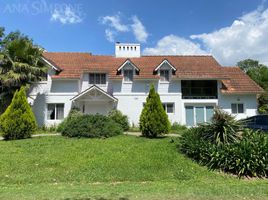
[(119, 167)]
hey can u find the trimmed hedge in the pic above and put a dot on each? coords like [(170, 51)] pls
[(91, 126), (18, 121), (246, 157)]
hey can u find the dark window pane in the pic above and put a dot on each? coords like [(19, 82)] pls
[(97, 78), (240, 108), (170, 108), (91, 78), (128, 75), (234, 108), (164, 75), (51, 111), (103, 79)]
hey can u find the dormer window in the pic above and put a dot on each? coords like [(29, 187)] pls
[(164, 75), (128, 75), (165, 69), (97, 78)]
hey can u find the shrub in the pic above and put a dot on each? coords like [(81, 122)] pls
[(247, 157), (153, 120), (74, 112), (91, 126), (119, 118), (222, 129), (178, 128), (18, 121)]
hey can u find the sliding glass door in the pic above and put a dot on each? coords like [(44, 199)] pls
[(198, 114)]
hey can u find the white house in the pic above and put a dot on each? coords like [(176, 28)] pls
[(189, 86)]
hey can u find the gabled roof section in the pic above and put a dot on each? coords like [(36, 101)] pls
[(165, 61), (94, 87), (128, 61), (73, 65), (238, 82), (51, 64)]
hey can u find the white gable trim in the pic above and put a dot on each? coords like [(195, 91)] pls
[(52, 66), (128, 62), (90, 89), (163, 62)]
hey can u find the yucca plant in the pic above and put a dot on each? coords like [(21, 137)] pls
[(222, 129)]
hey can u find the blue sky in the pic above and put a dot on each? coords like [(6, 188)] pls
[(231, 30)]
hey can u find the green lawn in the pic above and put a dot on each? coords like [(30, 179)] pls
[(123, 167)]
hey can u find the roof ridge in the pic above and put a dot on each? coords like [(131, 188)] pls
[(205, 55), (231, 66), (67, 52)]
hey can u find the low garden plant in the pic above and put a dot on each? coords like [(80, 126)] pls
[(91, 126), (178, 128), (119, 118), (228, 147)]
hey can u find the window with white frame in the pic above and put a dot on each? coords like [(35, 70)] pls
[(164, 75), (168, 107), (55, 111), (128, 75), (237, 108), (97, 78)]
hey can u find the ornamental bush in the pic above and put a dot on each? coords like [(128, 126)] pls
[(74, 112), (245, 157), (119, 118), (224, 128), (18, 121), (91, 126), (153, 120)]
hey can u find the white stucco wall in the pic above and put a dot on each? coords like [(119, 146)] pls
[(249, 101), (64, 86), (131, 97)]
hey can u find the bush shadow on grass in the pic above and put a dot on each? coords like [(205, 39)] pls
[(158, 137)]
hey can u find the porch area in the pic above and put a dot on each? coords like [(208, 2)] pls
[(94, 100)]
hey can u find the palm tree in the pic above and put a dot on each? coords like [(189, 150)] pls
[(20, 65)]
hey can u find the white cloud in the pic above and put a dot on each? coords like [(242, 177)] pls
[(66, 15), (110, 35), (245, 38), (116, 26), (174, 45), (115, 22), (139, 30)]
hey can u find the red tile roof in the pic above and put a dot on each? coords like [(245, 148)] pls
[(73, 65), (238, 82)]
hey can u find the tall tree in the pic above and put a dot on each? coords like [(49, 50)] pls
[(154, 120), (259, 73), (20, 64)]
